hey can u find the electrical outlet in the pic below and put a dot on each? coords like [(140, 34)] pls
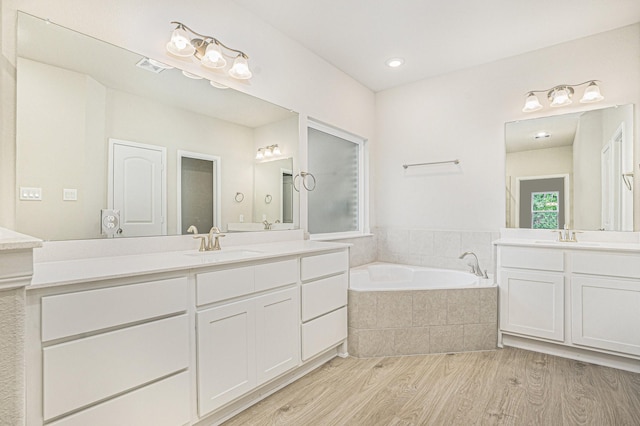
[(69, 194)]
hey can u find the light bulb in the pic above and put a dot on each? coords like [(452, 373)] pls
[(591, 94), (240, 68), (213, 57), (180, 44), (531, 103), (560, 97)]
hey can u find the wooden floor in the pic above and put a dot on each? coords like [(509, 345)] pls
[(502, 387)]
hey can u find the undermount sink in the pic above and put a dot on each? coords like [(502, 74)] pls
[(222, 255), (573, 243)]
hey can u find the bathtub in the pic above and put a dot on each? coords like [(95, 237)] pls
[(398, 310), (394, 277)]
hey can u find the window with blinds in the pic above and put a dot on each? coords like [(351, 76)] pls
[(335, 205)]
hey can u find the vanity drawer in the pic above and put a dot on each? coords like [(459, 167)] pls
[(322, 296), (88, 370), (276, 274), (85, 311), (615, 265), (164, 403), (324, 264), (225, 284), (531, 258), (323, 332)]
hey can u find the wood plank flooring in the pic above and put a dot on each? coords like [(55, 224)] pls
[(503, 387)]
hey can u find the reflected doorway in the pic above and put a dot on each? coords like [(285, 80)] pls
[(542, 202), (198, 191)]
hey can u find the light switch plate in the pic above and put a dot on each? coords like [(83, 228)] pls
[(30, 194)]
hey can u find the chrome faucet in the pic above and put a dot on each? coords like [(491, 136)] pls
[(266, 224), (475, 268), (214, 244)]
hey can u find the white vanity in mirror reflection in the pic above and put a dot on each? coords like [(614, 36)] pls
[(574, 169)]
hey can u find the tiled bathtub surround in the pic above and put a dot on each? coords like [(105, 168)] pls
[(437, 249), (415, 322)]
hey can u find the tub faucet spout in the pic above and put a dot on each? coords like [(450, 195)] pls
[(475, 267)]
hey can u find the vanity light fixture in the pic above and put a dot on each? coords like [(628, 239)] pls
[(268, 152), (210, 51), (561, 96)]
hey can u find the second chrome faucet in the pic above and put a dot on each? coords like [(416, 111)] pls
[(210, 242)]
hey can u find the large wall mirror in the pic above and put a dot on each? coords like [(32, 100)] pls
[(574, 169), (101, 128)]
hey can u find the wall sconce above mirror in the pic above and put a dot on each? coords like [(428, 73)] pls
[(561, 95)]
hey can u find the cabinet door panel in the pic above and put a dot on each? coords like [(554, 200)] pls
[(532, 303), (606, 314), (324, 332), (277, 333), (226, 354)]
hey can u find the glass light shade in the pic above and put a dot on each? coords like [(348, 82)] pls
[(213, 57), (276, 150), (240, 69), (180, 44), (560, 97), (191, 76), (591, 94), (259, 155), (218, 85), (532, 103), (267, 152)]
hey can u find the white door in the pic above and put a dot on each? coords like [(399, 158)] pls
[(137, 187), (277, 333), (226, 354)]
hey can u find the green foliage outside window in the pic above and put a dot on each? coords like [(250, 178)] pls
[(544, 210)]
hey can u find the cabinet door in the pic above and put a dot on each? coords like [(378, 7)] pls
[(532, 304), (226, 354), (606, 313), (277, 333)]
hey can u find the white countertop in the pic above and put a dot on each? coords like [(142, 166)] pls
[(47, 274), (11, 240), (580, 245)]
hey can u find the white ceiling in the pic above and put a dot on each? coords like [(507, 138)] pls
[(434, 36)]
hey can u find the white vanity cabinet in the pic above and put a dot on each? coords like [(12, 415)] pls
[(325, 280), (250, 335), (182, 339), (581, 302), (605, 296), (532, 287), (96, 359)]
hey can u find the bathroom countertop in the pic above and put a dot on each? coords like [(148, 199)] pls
[(580, 245), (48, 274), (11, 240)]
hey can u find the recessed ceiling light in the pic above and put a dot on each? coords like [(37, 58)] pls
[(542, 135), (394, 62)]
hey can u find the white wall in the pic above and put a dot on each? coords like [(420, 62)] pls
[(462, 115), (285, 73)]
